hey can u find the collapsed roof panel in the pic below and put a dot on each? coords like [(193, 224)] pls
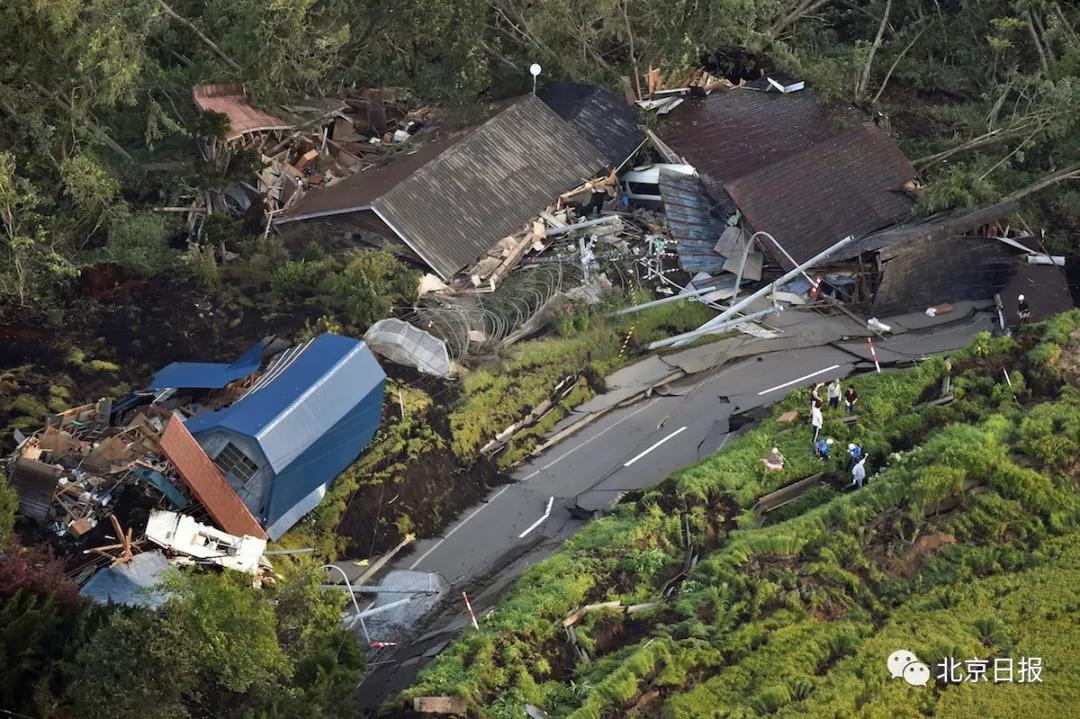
[(734, 132), (207, 482), (694, 227), (208, 375), (926, 272), (231, 100), (851, 184), (607, 121), (133, 583)]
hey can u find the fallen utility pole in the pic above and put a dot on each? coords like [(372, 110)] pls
[(713, 329), (662, 301), (721, 319)]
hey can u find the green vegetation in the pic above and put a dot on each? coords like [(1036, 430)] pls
[(970, 515), (217, 647)]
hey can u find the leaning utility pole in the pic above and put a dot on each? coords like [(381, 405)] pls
[(720, 319)]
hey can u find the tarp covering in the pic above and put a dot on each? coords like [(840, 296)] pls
[(311, 412), (130, 583), (208, 375), (409, 345)]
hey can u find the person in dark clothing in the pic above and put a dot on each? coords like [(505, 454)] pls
[(822, 448), (1023, 311), (851, 400)]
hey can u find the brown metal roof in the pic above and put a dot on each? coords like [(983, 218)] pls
[(732, 133), (231, 100), (851, 184), (206, 481)]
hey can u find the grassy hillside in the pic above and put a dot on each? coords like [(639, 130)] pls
[(963, 545)]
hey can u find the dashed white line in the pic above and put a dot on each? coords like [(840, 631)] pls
[(665, 439), (537, 523), (800, 379), (598, 435), (475, 512)]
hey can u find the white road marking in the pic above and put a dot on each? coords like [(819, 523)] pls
[(665, 439), (598, 435), (459, 526), (800, 379), (537, 523)]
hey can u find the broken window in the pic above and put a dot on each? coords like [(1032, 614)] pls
[(233, 461)]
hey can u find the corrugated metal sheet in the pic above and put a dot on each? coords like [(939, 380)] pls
[(231, 101), (208, 375), (206, 481), (851, 184), (312, 412), (940, 227), (488, 185), (34, 482), (693, 225), (606, 120), (732, 133)]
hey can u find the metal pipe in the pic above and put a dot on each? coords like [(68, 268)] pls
[(355, 589), (700, 331)]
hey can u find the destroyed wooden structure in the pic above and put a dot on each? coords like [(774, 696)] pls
[(253, 448)]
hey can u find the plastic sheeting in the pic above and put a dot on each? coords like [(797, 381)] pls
[(409, 345)]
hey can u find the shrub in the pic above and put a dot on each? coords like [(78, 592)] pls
[(140, 242)]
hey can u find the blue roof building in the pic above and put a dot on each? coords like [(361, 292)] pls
[(303, 421)]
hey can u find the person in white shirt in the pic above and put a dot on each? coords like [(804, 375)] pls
[(817, 421), (858, 473), (834, 393)]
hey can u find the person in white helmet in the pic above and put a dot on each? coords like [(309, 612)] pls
[(1023, 311), (775, 460)]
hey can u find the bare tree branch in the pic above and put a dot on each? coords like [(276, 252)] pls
[(864, 77), (207, 41), (895, 62)]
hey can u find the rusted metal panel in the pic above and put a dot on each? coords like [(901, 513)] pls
[(206, 481)]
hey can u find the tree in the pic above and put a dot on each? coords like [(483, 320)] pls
[(9, 503), (31, 262)]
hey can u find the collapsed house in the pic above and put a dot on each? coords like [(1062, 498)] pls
[(457, 196), (223, 456), (765, 175)]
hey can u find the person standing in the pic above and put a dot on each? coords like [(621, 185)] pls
[(858, 473), (815, 395), (851, 399), (1023, 311), (834, 393), (855, 452), (817, 420)]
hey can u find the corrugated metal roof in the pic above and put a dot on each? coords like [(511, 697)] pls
[(312, 412), (940, 227), (606, 120), (231, 101), (732, 133), (488, 185), (851, 184), (360, 190), (694, 227), (206, 481), (454, 202), (208, 375)]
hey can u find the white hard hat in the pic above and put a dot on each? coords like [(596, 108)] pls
[(775, 449), (829, 440), (851, 446), (1021, 298)]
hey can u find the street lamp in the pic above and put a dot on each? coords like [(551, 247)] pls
[(352, 596), (535, 70)]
